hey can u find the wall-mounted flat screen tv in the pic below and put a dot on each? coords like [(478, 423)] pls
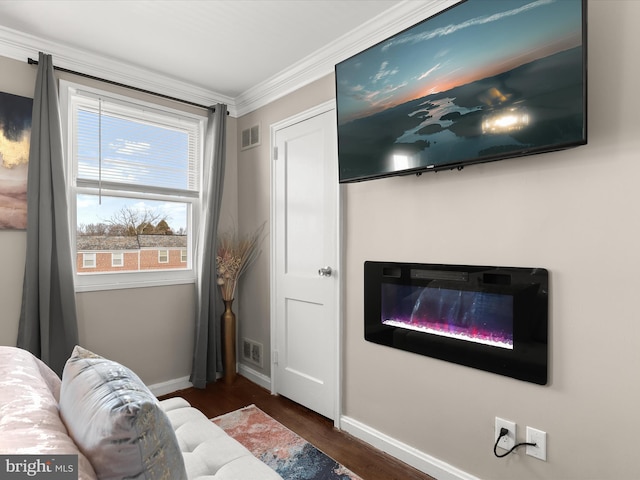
[(481, 81)]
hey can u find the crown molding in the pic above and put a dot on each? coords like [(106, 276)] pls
[(322, 62), (21, 46)]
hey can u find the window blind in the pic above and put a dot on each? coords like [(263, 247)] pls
[(120, 149)]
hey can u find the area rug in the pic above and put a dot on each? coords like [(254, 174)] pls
[(286, 452)]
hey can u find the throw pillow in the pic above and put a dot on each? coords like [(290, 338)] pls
[(116, 421)]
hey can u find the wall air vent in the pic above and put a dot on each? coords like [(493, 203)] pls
[(250, 137)]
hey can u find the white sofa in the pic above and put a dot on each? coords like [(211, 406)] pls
[(207, 448), (103, 413)]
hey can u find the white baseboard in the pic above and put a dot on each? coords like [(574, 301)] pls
[(255, 377), (170, 386), (403, 452)]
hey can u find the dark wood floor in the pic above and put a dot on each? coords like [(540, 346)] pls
[(359, 457)]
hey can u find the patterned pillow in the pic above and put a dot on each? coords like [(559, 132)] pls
[(116, 421)]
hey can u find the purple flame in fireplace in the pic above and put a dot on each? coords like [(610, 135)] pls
[(474, 316)]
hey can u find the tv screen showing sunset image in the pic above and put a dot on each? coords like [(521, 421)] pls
[(483, 80)]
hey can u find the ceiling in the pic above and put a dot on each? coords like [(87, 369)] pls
[(215, 48)]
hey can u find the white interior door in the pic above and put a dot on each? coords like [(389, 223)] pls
[(305, 260)]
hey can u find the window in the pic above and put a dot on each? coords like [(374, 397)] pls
[(88, 260), (183, 255), (134, 182), (117, 259)]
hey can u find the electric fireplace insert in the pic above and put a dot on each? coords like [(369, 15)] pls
[(486, 317)]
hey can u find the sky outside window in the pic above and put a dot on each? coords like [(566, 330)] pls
[(92, 209), (136, 153)]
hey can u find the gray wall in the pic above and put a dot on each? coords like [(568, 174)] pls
[(573, 212), (148, 329)]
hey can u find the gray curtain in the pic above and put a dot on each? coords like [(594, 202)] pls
[(48, 325), (207, 356)]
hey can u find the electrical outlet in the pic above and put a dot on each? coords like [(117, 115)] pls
[(509, 440), (540, 439)]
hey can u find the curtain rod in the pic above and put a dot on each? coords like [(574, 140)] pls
[(31, 61)]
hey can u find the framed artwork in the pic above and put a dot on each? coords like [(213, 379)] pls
[(15, 135)]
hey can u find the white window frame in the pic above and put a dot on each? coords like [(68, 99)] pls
[(120, 259), (118, 280), (163, 255), (89, 260)]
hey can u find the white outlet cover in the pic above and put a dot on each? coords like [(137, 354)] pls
[(540, 439), (508, 441)]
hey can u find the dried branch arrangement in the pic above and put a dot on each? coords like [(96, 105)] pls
[(234, 256)]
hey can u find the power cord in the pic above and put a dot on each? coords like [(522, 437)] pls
[(504, 432)]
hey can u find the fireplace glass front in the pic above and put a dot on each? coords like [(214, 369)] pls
[(491, 318)]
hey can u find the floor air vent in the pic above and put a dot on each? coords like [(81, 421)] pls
[(252, 352)]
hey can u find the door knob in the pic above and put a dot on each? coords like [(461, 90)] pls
[(325, 272)]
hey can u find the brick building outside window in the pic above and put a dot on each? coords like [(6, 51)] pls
[(130, 253)]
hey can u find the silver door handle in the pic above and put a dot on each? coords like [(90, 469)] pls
[(325, 272)]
